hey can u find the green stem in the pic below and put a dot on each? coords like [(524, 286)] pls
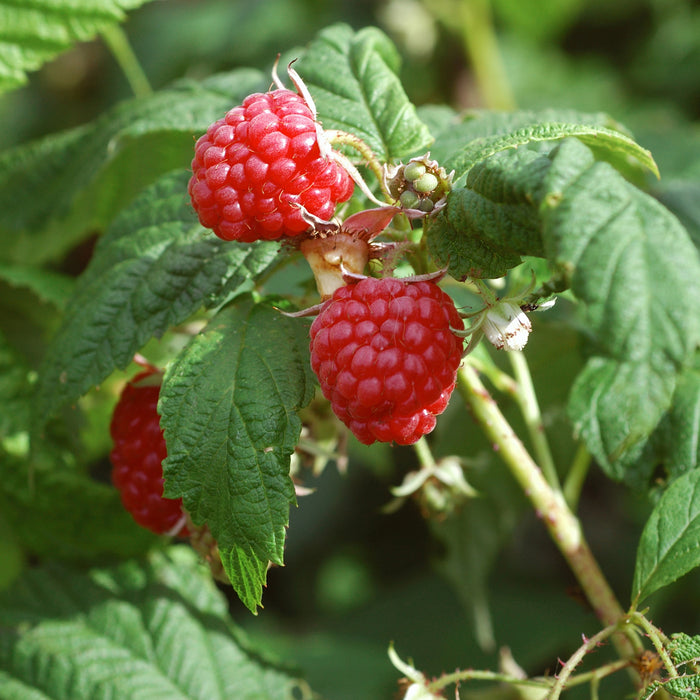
[(118, 43), (530, 408), (594, 676), (658, 639), (425, 455), (473, 21), (500, 379), (576, 476), (549, 504), (477, 675)]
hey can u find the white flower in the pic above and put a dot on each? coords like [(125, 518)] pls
[(417, 691), (507, 326)]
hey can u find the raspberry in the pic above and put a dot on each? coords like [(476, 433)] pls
[(256, 166), (386, 357), (139, 450)]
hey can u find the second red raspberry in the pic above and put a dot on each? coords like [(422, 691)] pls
[(254, 168), (386, 357), (139, 450)]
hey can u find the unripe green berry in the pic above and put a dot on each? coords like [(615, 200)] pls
[(413, 171), (425, 183), (409, 200), (426, 205)]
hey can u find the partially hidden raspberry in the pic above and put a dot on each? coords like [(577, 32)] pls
[(253, 168), (139, 450), (386, 357)]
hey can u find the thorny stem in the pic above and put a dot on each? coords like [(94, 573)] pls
[(576, 476), (549, 504), (543, 683), (576, 658), (530, 408), (118, 44), (478, 675)]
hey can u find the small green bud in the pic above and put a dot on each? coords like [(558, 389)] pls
[(425, 183), (413, 171)]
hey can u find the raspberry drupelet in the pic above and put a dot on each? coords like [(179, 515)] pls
[(137, 456), (386, 357), (256, 167)]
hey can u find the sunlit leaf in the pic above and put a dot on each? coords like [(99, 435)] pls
[(229, 408)]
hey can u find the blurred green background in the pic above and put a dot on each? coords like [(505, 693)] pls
[(356, 578)]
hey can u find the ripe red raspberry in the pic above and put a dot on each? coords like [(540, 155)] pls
[(386, 357), (139, 450), (253, 168)]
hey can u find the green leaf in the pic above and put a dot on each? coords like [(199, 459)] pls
[(488, 133), (677, 438), (491, 222), (353, 78), (33, 33), (682, 197), (157, 630), (684, 648), (633, 266), (154, 268), (686, 687), (15, 392), (668, 548), (229, 410), (616, 406), (56, 511), (88, 174), (49, 286)]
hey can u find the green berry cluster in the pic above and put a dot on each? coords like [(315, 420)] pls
[(421, 184)]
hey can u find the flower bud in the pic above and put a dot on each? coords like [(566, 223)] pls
[(506, 326)]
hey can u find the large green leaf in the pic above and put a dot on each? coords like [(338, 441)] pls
[(491, 222), (229, 408), (635, 269), (85, 176), (465, 142), (353, 79), (668, 548), (626, 258), (154, 268), (32, 33), (156, 630)]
